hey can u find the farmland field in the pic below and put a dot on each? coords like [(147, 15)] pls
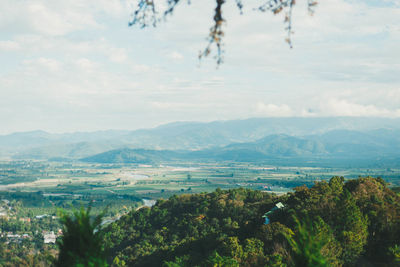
[(82, 179)]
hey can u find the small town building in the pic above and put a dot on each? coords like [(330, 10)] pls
[(278, 205), (41, 216), (25, 220), (49, 237)]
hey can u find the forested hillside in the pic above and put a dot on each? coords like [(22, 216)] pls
[(340, 223), (337, 148)]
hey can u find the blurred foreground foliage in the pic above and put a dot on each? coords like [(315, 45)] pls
[(81, 243)]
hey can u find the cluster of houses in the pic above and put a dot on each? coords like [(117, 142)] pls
[(15, 238), (5, 208), (261, 187), (49, 237), (45, 216)]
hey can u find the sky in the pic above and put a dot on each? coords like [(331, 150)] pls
[(76, 65)]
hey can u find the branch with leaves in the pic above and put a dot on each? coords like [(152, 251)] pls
[(146, 14)]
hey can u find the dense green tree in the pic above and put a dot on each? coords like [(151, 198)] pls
[(216, 260), (307, 243), (352, 229), (82, 242), (232, 247), (395, 253)]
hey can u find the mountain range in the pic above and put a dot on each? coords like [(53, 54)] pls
[(335, 148), (252, 139)]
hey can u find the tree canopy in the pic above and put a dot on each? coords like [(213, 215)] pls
[(81, 243), (330, 224)]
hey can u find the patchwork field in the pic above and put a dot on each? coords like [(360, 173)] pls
[(81, 179)]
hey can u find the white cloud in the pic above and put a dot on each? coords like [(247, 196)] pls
[(140, 68), (49, 64), (85, 64), (58, 18), (177, 106), (118, 55), (343, 107), (273, 110), (9, 45), (52, 21), (45, 17), (175, 55)]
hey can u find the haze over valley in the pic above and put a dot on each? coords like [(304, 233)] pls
[(298, 141)]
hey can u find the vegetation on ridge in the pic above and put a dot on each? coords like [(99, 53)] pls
[(335, 223), (354, 222)]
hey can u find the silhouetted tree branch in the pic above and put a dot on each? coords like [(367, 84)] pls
[(146, 14)]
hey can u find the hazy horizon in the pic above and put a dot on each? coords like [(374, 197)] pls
[(193, 121)]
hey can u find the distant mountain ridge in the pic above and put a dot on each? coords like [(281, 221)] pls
[(316, 150), (200, 136)]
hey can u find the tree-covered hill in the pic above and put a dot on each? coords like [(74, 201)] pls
[(353, 223), (204, 135), (337, 148)]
